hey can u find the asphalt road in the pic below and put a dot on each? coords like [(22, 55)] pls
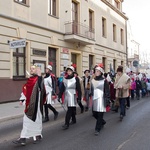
[(133, 133)]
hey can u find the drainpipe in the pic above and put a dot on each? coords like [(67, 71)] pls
[(126, 43)]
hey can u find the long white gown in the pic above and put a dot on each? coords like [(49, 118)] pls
[(31, 128)]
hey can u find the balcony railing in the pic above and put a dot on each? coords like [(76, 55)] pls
[(80, 30)]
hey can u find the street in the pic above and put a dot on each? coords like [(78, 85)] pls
[(133, 133)]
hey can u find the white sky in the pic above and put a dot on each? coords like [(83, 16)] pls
[(138, 12)]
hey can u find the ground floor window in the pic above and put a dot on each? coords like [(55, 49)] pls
[(104, 62), (114, 64), (19, 63), (91, 62)]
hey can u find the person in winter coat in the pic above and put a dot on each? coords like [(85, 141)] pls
[(138, 87), (144, 86), (133, 87), (100, 96), (82, 90), (122, 85), (86, 83), (148, 87)]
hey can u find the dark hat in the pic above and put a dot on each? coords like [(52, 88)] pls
[(120, 69), (86, 71)]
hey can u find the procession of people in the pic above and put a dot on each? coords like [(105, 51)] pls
[(100, 91)]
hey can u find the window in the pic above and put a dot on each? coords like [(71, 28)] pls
[(91, 62), (74, 59), (114, 33), (117, 4), (122, 63), (91, 24), (19, 63), (104, 62), (104, 33), (53, 7), (122, 36), (74, 11), (74, 18), (26, 2), (91, 19), (114, 64)]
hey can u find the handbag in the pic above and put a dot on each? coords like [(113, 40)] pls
[(117, 104)]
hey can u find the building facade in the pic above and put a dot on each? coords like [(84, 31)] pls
[(60, 32)]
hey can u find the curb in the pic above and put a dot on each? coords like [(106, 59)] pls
[(11, 117)]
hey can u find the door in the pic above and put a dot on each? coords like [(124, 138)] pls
[(52, 58), (74, 18), (74, 59)]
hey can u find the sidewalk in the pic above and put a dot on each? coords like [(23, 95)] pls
[(15, 110)]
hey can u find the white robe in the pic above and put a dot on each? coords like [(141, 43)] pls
[(48, 87), (31, 128)]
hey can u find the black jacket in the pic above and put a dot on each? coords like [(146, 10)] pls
[(84, 80), (138, 85)]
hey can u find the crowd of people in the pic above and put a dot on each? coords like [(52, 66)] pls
[(100, 91)]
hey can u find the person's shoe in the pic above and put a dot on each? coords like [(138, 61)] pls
[(86, 109), (82, 110), (104, 122), (45, 120), (121, 117), (72, 122), (21, 141), (115, 109), (96, 133), (65, 127), (38, 139), (56, 115)]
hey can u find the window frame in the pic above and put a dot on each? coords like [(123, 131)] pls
[(26, 3), (17, 55), (104, 27), (53, 8), (91, 59), (114, 32), (122, 36)]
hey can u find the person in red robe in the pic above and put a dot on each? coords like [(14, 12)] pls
[(34, 96)]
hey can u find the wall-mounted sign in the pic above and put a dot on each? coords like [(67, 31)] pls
[(135, 63), (17, 43), (65, 50), (39, 52), (65, 63), (40, 64), (65, 56)]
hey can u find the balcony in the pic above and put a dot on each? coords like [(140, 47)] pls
[(78, 32)]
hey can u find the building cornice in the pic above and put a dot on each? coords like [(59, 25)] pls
[(29, 23), (115, 9)]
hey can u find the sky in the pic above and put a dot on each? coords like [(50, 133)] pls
[(138, 13)]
